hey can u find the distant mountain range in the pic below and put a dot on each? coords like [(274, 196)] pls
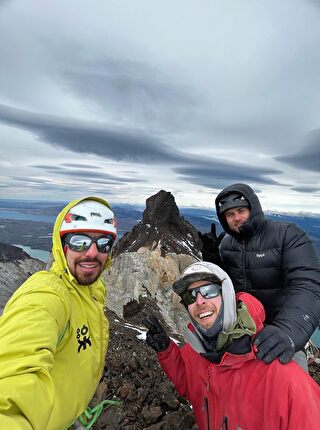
[(30, 223)]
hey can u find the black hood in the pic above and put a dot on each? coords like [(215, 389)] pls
[(256, 218)]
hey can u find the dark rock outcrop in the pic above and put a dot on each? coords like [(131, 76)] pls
[(163, 227), (10, 253), (15, 267)]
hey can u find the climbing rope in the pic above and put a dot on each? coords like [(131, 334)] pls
[(91, 415)]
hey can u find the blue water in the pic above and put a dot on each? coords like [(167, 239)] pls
[(25, 216), (40, 254)]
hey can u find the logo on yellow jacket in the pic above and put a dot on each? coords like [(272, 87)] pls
[(83, 337)]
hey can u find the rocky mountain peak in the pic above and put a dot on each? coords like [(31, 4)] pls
[(161, 227), (161, 210)]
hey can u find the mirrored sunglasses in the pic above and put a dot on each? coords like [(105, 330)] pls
[(82, 242), (208, 291)]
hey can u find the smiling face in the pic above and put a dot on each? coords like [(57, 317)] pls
[(87, 266), (204, 311), (236, 217)]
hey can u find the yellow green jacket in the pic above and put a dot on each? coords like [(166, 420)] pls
[(53, 341)]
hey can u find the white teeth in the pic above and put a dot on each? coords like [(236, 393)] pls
[(205, 314), (90, 266)]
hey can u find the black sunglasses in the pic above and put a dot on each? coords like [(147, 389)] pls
[(208, 291), (82, 242)]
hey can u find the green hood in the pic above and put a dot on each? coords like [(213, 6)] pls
[(244, 325)]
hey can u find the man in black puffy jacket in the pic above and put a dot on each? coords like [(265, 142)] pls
[(275, 262)]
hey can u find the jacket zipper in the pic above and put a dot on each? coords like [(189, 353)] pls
[(207, 400), (244, 266), (207, 408), (225, 423)]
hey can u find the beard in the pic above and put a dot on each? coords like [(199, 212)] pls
[(88, 278)]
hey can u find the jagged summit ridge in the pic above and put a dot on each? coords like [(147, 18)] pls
[(161, 227)]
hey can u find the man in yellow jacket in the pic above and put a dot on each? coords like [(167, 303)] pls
[(54, 333)]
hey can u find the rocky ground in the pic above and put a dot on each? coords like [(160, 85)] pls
[(133, 377)]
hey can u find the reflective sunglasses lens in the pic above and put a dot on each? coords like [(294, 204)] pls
[(188, 298), (104, 244), (210, 291), (207, 291), (79, 242)]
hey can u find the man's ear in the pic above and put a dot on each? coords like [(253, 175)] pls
[(65, 247)]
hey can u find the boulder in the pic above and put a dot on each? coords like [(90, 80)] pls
[(147, 273)]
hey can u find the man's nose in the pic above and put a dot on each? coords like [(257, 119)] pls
[(92, 252), (237, 216), (199, 298)]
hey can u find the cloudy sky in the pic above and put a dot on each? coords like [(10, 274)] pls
[(123, 98)]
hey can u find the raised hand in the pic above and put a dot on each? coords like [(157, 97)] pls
[(156, 337), (210, 245)]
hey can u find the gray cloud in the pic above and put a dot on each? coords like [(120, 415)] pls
[(139, 92), (308, 157), (27, 181), (4, 2), (31, 184), (10, 184), (222, 174), (79, 165), (127, 146), (88, 175), (306, 189), (134, 90), (79, 136), (155, 107)]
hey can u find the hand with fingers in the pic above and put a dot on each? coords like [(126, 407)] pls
[(273, 343), (210, 245), (156, 337)]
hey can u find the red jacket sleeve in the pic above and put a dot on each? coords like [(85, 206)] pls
[(174, 366)]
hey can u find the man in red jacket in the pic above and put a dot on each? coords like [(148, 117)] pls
[(217, 369)]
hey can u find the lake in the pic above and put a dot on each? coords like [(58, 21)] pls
[(40, 254), (25, 216)]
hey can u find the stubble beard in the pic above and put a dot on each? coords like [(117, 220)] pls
[(89, 278)]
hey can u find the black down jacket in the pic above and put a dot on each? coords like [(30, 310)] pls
[(276, 262)]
